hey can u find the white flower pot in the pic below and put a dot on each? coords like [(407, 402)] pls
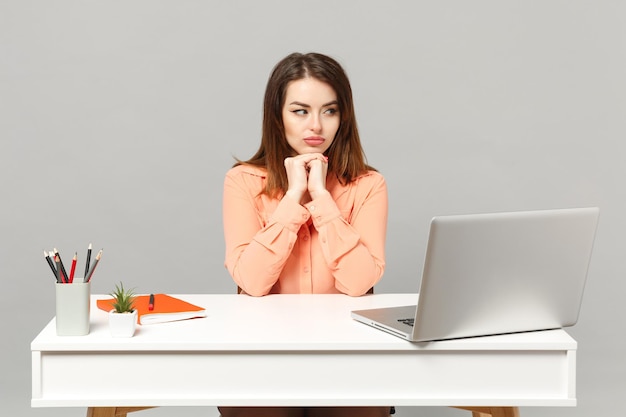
[(122, 324)]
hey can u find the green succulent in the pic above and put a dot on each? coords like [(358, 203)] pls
[(123, 299)]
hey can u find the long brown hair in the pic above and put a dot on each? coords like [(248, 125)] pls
[(346, 158)]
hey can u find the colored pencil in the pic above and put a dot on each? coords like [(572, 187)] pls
[(73, 268), (88, 260), (64, 276), (49, 260), (57, 260), (93, 267)]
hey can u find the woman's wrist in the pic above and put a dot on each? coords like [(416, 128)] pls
[(319, 194), (294, 195)]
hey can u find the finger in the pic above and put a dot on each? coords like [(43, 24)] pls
[(308, 157)]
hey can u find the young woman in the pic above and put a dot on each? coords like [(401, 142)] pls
[(306, 214)]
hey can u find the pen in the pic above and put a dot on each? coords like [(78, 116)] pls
[(73, 268), (151, 303), (49, 260), (93, 267), (88, 260), (64, 275)]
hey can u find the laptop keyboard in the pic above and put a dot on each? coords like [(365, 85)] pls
[(408, 322)]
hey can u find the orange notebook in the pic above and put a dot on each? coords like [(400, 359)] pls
[(166, 308)]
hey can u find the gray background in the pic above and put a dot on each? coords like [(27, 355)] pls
[(118, 120)]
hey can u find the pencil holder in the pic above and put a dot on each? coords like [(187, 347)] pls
[(72, 308)]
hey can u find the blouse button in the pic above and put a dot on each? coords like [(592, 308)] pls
[(311, 208)]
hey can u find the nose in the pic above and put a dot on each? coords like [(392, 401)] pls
[(315, 123)]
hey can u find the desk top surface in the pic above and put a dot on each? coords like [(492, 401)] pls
[(278, 323)]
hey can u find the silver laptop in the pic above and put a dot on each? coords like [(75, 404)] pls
[(487, 274)]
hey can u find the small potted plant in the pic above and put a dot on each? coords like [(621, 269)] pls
[(123, 316)]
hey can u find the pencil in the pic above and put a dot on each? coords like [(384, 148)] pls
[(64, 276), (49, 260), (88, 260), (93, 267), (57, 260), (73, 268)]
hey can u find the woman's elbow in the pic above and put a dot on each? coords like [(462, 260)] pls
[(253, 292)]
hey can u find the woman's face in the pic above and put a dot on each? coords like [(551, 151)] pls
[(310, 115)]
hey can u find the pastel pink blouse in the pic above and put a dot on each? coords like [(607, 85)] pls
[(334, 244)]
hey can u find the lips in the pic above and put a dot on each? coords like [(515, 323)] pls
[(314, 140)]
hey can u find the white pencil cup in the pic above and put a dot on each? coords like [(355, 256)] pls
[(72, 308)]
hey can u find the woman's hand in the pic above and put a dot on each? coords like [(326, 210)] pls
[(316, 185), (306, 172)]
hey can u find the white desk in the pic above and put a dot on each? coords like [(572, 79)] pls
[(286, 350)]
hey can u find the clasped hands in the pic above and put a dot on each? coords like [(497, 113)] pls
[(306, 175)]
